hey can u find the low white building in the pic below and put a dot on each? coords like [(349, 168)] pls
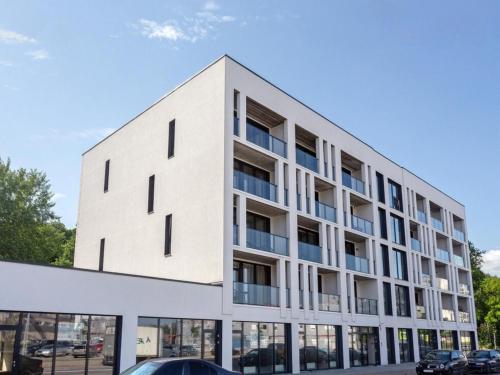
[(295, 244)]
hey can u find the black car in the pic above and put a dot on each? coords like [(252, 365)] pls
[(177, 366), (442, 362), (484, 361), (30, 366)]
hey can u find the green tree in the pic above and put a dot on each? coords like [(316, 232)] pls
[(30, 231)]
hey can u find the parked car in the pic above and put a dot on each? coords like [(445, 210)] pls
[(484, 361), (177, 366), (62, 349), (80, 350), (442, 362)]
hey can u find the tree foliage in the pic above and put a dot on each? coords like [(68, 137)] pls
[(30, 231)]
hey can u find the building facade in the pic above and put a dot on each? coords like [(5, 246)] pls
[(326, 254)]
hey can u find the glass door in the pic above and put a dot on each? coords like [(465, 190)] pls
[(7, 340)]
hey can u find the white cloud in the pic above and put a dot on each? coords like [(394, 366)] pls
[(491, 262), (61, 135), (11, 37), (58, 196), (39, 54), (190, 29)]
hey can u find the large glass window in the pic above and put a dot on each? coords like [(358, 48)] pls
[(260, 348), (395, 196), (385, 260), (467, 341), (318, 346), (391, 350), (171, 338), (405, 338), (427, 341), (400, 264), (387, 298), (448, 340), (383, 223), (403, 301), (363, 346), (397, 230), (380, 188)]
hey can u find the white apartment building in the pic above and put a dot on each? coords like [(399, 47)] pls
[(323, 252)]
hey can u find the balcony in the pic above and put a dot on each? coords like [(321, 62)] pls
[(362, 225), (463, 317), (329, 302), (442, 254), (458, 260), (463, 288), (458, 235), (442, 283), (448, 315), (366, 306), (422, 217), (416, 245), (255, 294), (265, 241), (420, 312), (265, 140), (306, 160), (326, 212), (437, 224), (426, 280), (355, 263), (309, 252), (353, 183), (236, 126), (236, 231), (255, 186)]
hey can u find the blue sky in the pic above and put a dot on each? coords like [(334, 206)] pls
[(419, 81)]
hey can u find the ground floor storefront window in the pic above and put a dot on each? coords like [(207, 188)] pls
[(171, 338), (405, 338), (363, 346), (260, 348), (50, 343), (427, 341), (467, 341), (448, 340), (319, 346)]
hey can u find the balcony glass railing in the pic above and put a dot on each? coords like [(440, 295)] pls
[(458, 260), (366, 306), (415, 245), (326, 212), (356, 263), (442, 283), (265, 241), (353, 183), (236, 126), (426, 280), (265, 140), (463, 317), (463, 288), (306, 160), (442, 254), (362, 225), (255, 186), (421, 216), (448, 315), (255, 294), (437, 224), (458, 235), (328, 302), (236, 234), (309, 252), (420, 312)]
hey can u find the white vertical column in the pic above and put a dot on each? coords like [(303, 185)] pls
[(383, 345), (242, 220), (279, 180), (324, 243), (320, 155), (227, 340), (243, 116), (314, 288), (128, 344), (282, 285), (295, 347)]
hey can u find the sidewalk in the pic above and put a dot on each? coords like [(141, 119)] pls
[(403, 369)]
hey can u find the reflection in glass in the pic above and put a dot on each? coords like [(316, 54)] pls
[(191, 338), (209, 340), (9, 318), (170, 338), (71, 344), (7, 339), (102, 337)]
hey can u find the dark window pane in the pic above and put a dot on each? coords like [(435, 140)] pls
[(106, 175), (151, 193), (101, 254), (380, 188), (168, 234), (171, 138)]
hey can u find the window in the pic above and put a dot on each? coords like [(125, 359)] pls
[(387, 298), (168, 234), (403, 301), (151, 193), (171, 138), (398, 230), (386, 270), (318, 346), (106, 175), (400, 264), (395, 196), (101, 254), (448, 340), (391, 352), (308, 236), (405, 337), (380, 188), (383, 223), (427, 341)]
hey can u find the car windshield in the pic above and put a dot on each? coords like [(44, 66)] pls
[(143, 368), (480, 354), (438, 355)]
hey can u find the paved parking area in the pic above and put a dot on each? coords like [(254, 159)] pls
[(404, 369)]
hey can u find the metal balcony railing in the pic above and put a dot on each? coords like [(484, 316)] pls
[(326, 212), (306, 160), (366, 306), (362, 225), (416, 245), (329, 302), (254, 185), (463, 288), (310, 252), (458, 235), (437, 224), (448, 315), (442, 254), (442, 283), (458, 260), (463, 317), (426, 280), (266, 140), (357, 263), (255, 294), (265, 241), (353, 183), (421, 216)]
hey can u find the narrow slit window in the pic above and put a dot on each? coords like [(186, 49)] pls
[(171, 138), (168, 234), (151, 193), (106, 176), (101, 254)]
